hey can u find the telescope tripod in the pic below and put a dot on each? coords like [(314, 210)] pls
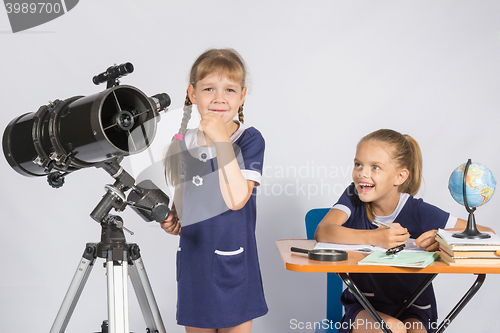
[(122, 260)]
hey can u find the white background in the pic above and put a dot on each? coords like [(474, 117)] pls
[(322, 75)]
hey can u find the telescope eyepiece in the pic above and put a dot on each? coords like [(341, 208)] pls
[(162, 101)]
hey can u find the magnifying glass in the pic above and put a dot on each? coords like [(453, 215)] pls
[(322, 254)]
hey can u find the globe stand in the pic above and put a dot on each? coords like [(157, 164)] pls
[(470, 231)]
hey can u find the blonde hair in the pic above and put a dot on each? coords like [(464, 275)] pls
[(405, 153), (224, 62)]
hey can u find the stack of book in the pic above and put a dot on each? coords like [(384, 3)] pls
[(462, 251)]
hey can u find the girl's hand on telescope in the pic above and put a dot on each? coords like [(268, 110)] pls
[(172, 224)]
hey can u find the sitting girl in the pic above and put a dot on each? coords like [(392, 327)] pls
[(387, 173)]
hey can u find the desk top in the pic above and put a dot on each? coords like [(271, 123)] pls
[(300, 263)]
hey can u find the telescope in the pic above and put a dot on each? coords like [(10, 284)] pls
[(98, 131), (81, 132)]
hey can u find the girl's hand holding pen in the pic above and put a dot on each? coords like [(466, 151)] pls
[(172, 225), (390, 237)]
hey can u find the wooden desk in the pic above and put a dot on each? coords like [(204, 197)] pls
[(300, 263)]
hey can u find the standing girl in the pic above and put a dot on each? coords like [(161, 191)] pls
[(387, 174), (215, 169)]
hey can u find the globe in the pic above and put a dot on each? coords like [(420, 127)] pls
[(480, 184)]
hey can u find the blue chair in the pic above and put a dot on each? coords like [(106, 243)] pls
[(333, 283)]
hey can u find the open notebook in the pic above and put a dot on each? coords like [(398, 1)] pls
[(365, 248)]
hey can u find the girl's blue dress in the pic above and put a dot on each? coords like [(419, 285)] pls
[(218, 274)]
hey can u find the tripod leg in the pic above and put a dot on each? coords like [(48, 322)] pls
[(75, 290), (117, 294), (144, 293)]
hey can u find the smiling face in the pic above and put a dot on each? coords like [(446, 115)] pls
[(376, 176), (218, 94)]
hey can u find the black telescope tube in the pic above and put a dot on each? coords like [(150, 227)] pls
[(81, 132)]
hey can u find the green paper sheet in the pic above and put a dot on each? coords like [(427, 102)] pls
[(403, 259)]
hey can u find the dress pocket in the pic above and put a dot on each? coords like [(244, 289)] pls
[(229, 268), (178, 263)]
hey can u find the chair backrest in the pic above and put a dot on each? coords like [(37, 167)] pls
[(313, 218), (334, 285)]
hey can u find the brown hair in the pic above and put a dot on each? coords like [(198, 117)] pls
[(224, 62), (405, 153)]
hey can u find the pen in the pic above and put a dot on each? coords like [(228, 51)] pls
[(384, 224), (394, 250)]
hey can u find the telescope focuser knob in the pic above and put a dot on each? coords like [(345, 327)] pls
[(55, 179)]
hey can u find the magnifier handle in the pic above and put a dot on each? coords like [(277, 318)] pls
[(296, 249)]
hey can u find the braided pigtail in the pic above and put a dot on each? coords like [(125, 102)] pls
[(173, 158), (240, 114)]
